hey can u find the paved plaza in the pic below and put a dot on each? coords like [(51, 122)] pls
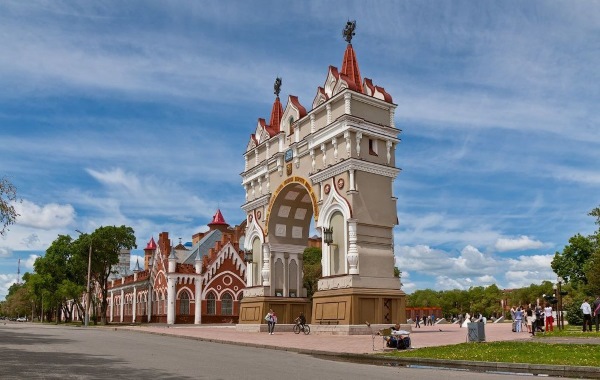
[(425, 336)]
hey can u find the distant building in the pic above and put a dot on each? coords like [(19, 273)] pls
[(200, 282)]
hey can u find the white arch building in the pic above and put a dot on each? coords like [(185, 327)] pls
[(335, 164)]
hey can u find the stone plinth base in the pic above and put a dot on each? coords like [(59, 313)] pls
[(357, 306), (254, 309)]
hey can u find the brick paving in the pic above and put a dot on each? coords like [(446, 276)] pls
[(426, 336)]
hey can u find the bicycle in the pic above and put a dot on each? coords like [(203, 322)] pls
[(304, 328)]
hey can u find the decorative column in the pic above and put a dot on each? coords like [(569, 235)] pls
[(198, 300), (392, 122), (268, 181), (286, 274), (347, 103), (335, 149), (324, 151), (352, 180), (171, 282), (299, 284), (312, 159), (266, 269), (122, 304), (348, 146), (134, 304), (352, 249), (328, 108), (171, 288), (388, 145), (312, 123), (149, 301), (112, 305), (198, 290)]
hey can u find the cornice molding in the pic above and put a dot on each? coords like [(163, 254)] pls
[(354, 164), (262, 201)]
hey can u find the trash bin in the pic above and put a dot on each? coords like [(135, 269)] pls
[(476, 332)]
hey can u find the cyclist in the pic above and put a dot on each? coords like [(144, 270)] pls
[(301, 320)]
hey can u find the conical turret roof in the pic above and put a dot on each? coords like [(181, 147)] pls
[(350, 67)]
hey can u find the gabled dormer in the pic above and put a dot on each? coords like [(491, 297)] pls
[(376, 91), (320, 98), (293, 111)]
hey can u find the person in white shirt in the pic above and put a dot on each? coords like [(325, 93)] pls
[(549, 317), (586, 309)]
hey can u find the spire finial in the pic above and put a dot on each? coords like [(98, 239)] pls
[(277, 86), (348, 31)]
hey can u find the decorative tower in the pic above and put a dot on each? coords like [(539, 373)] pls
[(334, 166)]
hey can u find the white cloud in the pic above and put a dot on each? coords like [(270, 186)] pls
[(519, 244), (6, 280), (5, 251), (46, 217), (28, 262)]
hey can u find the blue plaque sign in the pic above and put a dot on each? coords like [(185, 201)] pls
[(289, 155)]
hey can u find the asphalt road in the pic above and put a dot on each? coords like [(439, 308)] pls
[(31, 351)]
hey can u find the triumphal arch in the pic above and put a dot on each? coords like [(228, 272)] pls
[(334, 166)]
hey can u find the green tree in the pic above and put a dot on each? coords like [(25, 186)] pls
[(570, 264), (107, 242), (8, 195), (312, 269)]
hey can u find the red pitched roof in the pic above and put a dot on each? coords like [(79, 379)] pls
[(350, 67), (151, 244), (218, 219), (276, 115)]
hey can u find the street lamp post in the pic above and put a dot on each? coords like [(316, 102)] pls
[(87, 294), (560, 294)]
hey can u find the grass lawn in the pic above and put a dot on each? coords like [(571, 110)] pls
[(512, 352), (570, 331)]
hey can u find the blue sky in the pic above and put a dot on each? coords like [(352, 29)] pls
[(138, 113)]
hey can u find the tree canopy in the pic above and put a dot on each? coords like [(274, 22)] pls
[(311, 266), (8, 195), (579, 262)]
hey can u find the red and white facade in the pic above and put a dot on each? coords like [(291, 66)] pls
[(199, 284)]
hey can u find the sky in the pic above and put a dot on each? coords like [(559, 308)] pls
[(139, 112)]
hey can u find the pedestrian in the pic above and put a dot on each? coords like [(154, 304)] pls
[(513, 310), (596, 307), (530, 320), (518, 319), (418, 321), (271, 319), (549, 318), (586, 309)]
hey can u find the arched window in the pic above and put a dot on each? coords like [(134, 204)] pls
[(257, 262), (184, 303), (211, 304), (227, 304), (290, 123)]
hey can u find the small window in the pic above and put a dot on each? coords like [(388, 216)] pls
[(211, 304), (227, 304), (373, 147)]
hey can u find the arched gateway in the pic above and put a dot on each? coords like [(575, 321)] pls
[(334, 165)]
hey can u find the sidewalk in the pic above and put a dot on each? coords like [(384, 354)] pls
[(426, 336)]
